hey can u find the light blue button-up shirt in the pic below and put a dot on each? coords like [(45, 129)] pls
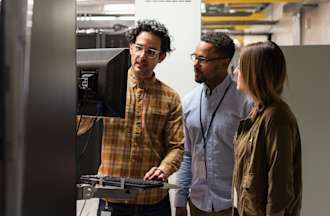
[(205, 174)]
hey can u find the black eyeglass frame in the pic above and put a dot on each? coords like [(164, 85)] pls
[(203, 59)]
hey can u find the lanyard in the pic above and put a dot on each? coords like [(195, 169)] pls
[(213, 114)]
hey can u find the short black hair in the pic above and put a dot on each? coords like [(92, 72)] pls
[(223, 43), (154, 27)]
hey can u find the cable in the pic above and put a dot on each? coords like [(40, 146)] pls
[(82, 208), (98, 110), (88, 138)]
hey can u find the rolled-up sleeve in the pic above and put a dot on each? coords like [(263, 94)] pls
[(83, 124), (174, 136)]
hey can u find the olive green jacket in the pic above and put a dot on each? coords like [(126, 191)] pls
[(267, 172)]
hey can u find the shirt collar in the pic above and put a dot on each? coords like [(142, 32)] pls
[(140, 83), (218, 89)]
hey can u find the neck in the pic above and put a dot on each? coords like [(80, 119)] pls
[(142, 75), (211, 84), (255, 100)]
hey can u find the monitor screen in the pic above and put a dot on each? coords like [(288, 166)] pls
[(102, 81)]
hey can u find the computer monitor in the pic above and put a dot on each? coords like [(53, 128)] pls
[(102, 81)]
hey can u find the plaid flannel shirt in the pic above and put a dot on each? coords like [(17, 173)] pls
[(150, 135)]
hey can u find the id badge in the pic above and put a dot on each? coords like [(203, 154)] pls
[(200, 162), (201, 170)]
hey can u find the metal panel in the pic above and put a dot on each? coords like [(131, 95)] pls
[(308, 96), (41, 101), (2, 108), (49, 187)]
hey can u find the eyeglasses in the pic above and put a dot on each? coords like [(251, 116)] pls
[(150, 52), (202, 59)]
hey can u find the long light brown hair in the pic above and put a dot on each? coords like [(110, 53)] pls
[(263, 69)]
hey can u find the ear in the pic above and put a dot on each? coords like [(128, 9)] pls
[(161, 57), (225, 62)]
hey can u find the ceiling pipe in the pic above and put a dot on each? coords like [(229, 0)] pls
[(243, 22), (248, 1)]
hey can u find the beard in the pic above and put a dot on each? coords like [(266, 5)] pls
[(200, 77)]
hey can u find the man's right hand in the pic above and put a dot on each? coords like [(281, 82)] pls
[(180, 211)]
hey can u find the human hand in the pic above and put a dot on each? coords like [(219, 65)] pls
[(155, 174), (180, 211)]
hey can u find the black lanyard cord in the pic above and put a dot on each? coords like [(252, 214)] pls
[(213, 114)]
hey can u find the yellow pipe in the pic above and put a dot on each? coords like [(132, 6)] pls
[(255, 16), (248, 1), (240, 39)]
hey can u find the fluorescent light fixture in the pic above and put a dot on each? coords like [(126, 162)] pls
[(203, 8), (90, 31), (87, 31), (126, 18), (104, 18), (96, 18), (119, 8)]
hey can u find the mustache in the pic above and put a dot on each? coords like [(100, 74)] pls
[(199, 76), (141, 61), (197, 71)]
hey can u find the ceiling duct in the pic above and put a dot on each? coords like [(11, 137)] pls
[(296, 7), (243, 22)]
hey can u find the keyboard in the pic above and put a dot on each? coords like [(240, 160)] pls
[(118, 181)]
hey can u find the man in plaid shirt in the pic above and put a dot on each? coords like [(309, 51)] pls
[(149, 142)]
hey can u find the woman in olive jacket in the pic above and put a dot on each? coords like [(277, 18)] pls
[(267, 172)]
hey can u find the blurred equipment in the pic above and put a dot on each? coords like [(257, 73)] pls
[(102, 81)]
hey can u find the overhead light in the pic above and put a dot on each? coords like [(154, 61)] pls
[(203, 8), (87, 31), (96, 18), (104, 18), (119, 8), (126, 17)]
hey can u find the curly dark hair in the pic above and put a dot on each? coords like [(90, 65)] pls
[(223, 43), (152, 26)]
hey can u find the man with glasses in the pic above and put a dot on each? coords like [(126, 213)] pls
[(149, 143), (212, 112)]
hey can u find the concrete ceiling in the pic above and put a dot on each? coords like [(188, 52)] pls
[(229, 15)]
